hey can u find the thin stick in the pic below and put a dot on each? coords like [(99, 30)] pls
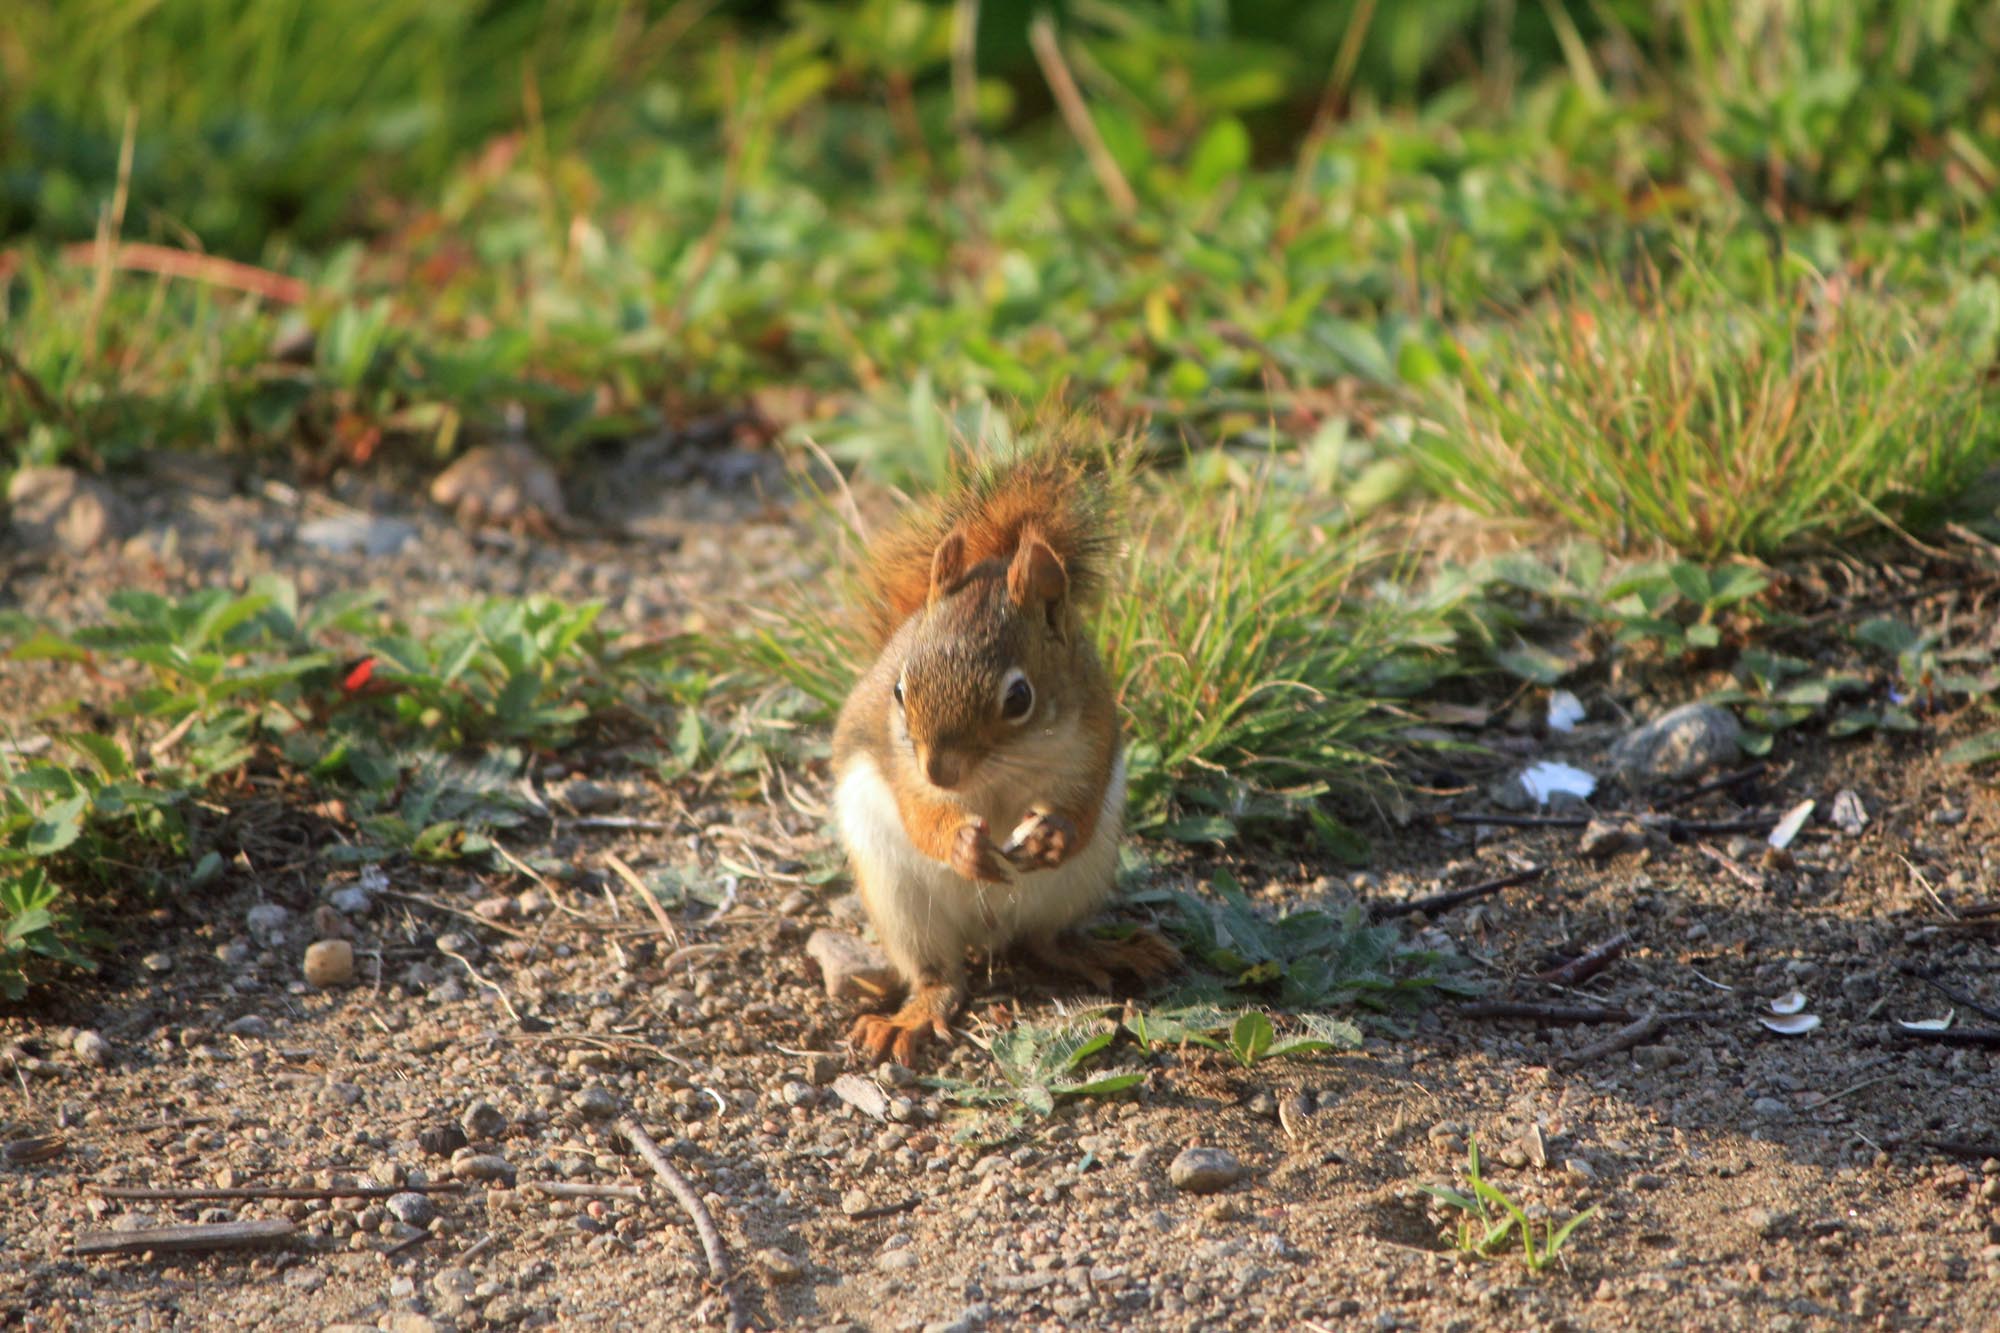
[(477, 1248), (1069, 100), (167, 262), (690, 1202), (886, 1209), (617, 863), (1444, 902), (176, 1195), (568, 1189), (1543, 1013), (621, 823), (1628, 1036), (185, 1239), (1956, 997), (1588, 965), (1736, 779), (1736, 871)]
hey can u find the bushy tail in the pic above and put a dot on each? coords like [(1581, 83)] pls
[(1064, 490)]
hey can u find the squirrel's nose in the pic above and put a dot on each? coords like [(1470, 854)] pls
[(942, 768)]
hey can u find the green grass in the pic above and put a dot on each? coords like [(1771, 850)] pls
[(1489, 1217), (1676, 413), (1324, 265)]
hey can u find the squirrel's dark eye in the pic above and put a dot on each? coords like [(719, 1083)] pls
[(899, 691), (1017, 696)]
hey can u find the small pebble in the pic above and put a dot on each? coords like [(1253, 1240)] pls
[(91, 1047), (597, 1102), (777, 1266), (158, 962), (483, 1166), (483, 1120), (412, 1209), (855, 1201), (1204, 1170), (329, 963)]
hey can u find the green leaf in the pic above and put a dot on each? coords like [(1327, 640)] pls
[(1250, 1038), (1977, 750), (1562, 1233), (60, 825), (1223, 151)]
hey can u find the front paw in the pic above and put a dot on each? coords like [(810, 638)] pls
[(1041, 841), (974, 856)]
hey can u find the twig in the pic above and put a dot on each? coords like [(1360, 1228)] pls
[(493, 986), (697, 1211), (1588, 965), (477, 1248), (570, 1189), (617, 863), (1985, 1038), (1543, 1013), (1736, 779), (170, 1194), (405, 1246), (1728, 863), (621, 823), (1624, 1038), (167, 262), (1963, 1149), (1069, 100), (184, 1239), (1956, 997), (1444, 902)]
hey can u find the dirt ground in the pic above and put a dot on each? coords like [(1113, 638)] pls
[(1843, 1178)]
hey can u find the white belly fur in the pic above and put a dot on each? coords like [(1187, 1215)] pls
[(926, 913)]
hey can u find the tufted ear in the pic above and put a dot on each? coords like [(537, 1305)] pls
[(947, 565), (1037, 578)]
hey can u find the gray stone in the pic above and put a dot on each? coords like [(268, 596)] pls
[(853, 968), (1204, 1170), (1678, 744), (484, 1166), (779, 1267), (58, 508), (412, 1209), (91, 1047), (267, 923), (597, 1102), (483, 1120)]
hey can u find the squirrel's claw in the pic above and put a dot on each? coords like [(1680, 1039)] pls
[(901, 1035), (974, 856), (1041, 841)]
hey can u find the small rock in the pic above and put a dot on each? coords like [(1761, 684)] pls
[(504, 1310), (266, 923), (1769, 1223), (250, 1025), (795, 1093), (364, 534), (507, 484), (1678, 744), (483, 1166), (1770, 1108), (863, 1094), (158, 962), (58, 507), (494, 907), (405, 1321), (1948, 816), (779, 1267), (1848, 814), (587, 797), (454, 1281), (329, 963), (1204, 1170), (1579, 1169), (91, 1047), (855, 1202), (853, 968), (1262, 1104), (441, 1140), (483, 1120), (351, 900), (1605, 838), (412, 1209), (597, 1102), (897, 1261), (822, 1069)]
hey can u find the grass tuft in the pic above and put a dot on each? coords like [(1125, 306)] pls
[(1681, 413)]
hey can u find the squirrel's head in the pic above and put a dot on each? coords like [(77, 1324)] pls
[(989, 675)]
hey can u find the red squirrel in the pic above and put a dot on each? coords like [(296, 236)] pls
[(979, 773)]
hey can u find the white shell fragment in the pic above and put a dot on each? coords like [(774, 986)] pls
[(1565, 711), (1928, 1024), (1788, 827), (1548, 780), (1848, 814), (1789, 1003), (1791, 1025)]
